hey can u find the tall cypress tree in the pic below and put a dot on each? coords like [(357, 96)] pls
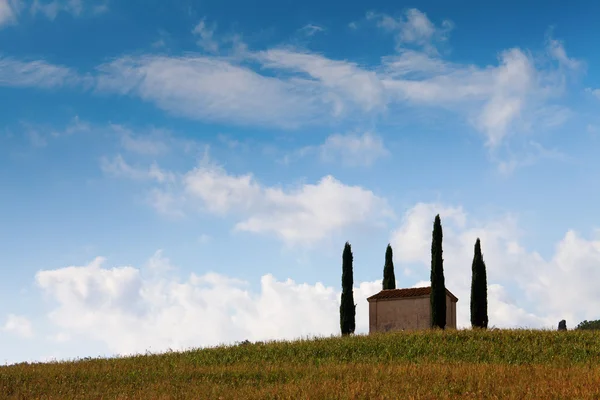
[(438, 286), (347, 306), (479, 316), (389, 278)]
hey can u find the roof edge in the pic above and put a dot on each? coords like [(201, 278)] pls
[(375, 297)]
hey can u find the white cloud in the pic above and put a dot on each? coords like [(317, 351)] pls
[(533, 154), (206, 33), (221, 192), (40, 135), (204, 238), (166, 203), (558, 52), (543, 291), (119, 167), (150, 143), (35, 138), (18, 325), (414, 28), (51, 9), (354, 149), (100, 8), (287, 88), (348, 149), (212, 89), (14, 73), (593, 92), (9, 10), (76, 125), (134, 310), (312, 212), (311, 29), (301, 215), (342, 84), (132, 313)]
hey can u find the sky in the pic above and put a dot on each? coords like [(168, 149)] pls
[(185, 174)]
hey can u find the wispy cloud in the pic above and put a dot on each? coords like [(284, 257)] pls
[(593, 92), (292, 88), (76, 8), (15, 73), (118, 167), (352, 149), (212, 89), (534, 152), (206, 38), (40, 135), (349, 149), (153, 142), (18, 325), (414, 28), (311, 29), (9, 10)]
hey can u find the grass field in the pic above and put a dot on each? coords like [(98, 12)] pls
[(419, 365)]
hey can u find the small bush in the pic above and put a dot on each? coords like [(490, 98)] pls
[(589, 325)]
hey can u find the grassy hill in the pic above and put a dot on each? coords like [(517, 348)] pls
[(427, 364)]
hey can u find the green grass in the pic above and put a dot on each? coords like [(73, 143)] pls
[(446, 364), (498, 346)]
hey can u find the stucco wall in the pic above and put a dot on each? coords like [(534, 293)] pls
[(409, 313)]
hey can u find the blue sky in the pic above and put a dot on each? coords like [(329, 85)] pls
[(184, 174)]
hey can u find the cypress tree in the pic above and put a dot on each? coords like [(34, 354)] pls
[(389, 278), (479, 316), (347, 306), (438, 286)]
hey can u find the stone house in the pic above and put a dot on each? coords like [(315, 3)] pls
[(406, 309)]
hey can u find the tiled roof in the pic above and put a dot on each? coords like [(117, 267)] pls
[(409, 292)]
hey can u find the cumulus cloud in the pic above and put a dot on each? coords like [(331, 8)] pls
[(298, 215), (19, 325), (314, 211), (524, 288), (132, 309), (131, 312)]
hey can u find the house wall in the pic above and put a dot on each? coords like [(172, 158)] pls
[(410, 313), (396, 314)]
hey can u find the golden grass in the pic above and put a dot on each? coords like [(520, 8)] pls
[(419, 365)]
